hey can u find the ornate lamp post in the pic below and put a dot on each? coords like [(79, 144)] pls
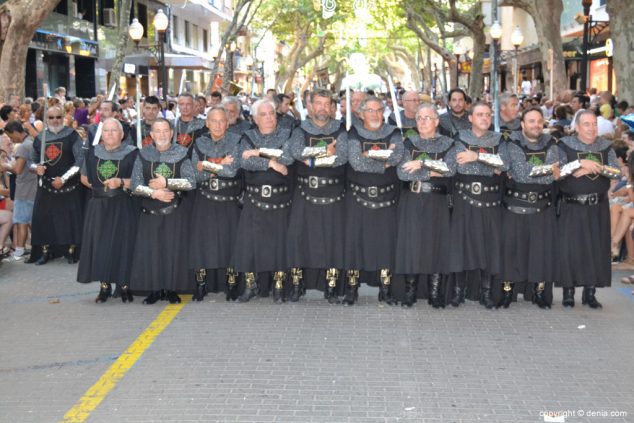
[(586, 40), (517, 38), (458, 50), (496, 33)]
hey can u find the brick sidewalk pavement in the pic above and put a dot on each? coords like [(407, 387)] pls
[(310, 362)]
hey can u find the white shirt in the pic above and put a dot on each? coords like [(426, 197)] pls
[(605, 127), (526, 87)]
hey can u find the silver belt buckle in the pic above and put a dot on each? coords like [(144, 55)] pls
[(532, 197), (267, 190), (476, 188), (373, 192), (415, 187), (213, 184), (313, 182), (593, 199), (425, 187)]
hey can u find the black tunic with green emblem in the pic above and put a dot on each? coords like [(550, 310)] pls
[(111, 218)]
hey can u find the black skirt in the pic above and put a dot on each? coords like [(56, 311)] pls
[(529, 246), (475, 238), (316, 234), (160, 253), (57, 218), (108, 240), (213, 229), (261, 239), (584, 245), (422, 245), (370, 238)]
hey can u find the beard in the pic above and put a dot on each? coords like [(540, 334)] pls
[(375, 125), (56, 129)]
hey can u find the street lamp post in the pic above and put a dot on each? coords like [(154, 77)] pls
[(458, 50), (517, 38), (496, 33), (586, 40), (161, 22)]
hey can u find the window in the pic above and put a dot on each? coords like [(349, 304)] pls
[(205, 41), (195, 37), (176, 29), (188, 35)]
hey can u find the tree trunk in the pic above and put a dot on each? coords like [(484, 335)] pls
[(125, 6), (622, 30), (18, 21), (227, 76), (547, 22), (476, 81)]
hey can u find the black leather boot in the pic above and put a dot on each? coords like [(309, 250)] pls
[(435, 298), (508, 295), (569, 297), (201, 285), (332, 275), (250, 289), (71, 254), (296, 288), (105, 291), (232, 285), (278, 287), (385, 288), (588, 297), (538, 296), (173, 297), (410, 291), (352, 288), (126, 295), (154, 297), (46, 255), (485, 294), (458, 293)]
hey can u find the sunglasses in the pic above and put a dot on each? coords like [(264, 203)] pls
[(55, 117)]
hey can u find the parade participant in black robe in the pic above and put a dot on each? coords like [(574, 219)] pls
[(111, 216), (58, 212), (161, 173), (237, 124), (260, 249), (456, 118), (216, 211), (151, 108), (408, 114), (316, 229), (422, 247), (187, 127), (370, 238), (528, 220), (476, 220), (284, 120), (584, 220), (107, 110)]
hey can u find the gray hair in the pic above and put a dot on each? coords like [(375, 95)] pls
[(256, 106), (506, 97), (425, 106), (369, 99), (217, 109), (119, 126), (232, 100), (583, 112), (320, 92)]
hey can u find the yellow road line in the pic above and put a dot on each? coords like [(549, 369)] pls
[(97, 393)]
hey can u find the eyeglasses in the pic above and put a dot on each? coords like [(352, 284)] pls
[(415, 100), (55, 117), (425, 118), (374, 110)]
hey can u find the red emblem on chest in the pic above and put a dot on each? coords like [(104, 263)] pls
[(482, 150), (146, 141), (375, 147), (184, 139), (52, 152)]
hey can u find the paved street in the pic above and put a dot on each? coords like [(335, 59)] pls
[(310, 362)]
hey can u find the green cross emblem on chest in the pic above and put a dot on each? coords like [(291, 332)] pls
[(423, 156), (594, 158), (163, 170), (107, 169), (535, 160), (410, 133)]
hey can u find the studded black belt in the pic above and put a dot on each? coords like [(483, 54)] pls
[(323, 201), (63, 190), (419, 187), (164, 211), (267, 191), (372, 191), (215, 184), (529, 197), (314, 182), (478, 202), (268, 206), (215, 197), (525, 210), (476, 188), (585, 199), (107, 193)]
